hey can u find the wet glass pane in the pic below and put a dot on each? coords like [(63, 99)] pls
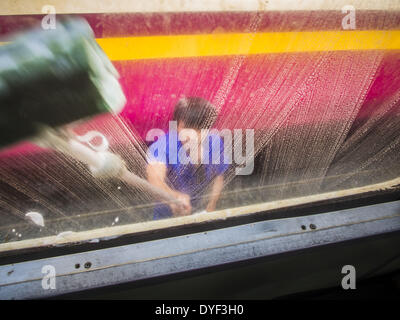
[(303, 106)]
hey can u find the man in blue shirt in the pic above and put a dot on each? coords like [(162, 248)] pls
[(188, 160)]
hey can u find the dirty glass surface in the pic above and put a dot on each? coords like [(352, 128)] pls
[(305, 106)]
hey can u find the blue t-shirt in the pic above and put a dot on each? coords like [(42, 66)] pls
[(182, 174)]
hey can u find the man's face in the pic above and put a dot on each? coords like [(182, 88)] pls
[(188, 134)]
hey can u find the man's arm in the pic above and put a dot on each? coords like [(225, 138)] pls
[(215, 193), (156, 175)]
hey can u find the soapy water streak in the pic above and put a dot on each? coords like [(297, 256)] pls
[(309, 137)]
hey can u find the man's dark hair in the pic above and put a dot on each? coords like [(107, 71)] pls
[(195, 112)]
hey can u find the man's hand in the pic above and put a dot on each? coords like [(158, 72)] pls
[(215, 193), (183, 206), (156, 173), (211, 207)]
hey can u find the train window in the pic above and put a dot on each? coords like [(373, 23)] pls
[(227, 113)]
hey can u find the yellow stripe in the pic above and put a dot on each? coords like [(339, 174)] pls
[(201, 45)]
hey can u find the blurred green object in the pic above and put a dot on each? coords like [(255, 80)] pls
[(54, 77)]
